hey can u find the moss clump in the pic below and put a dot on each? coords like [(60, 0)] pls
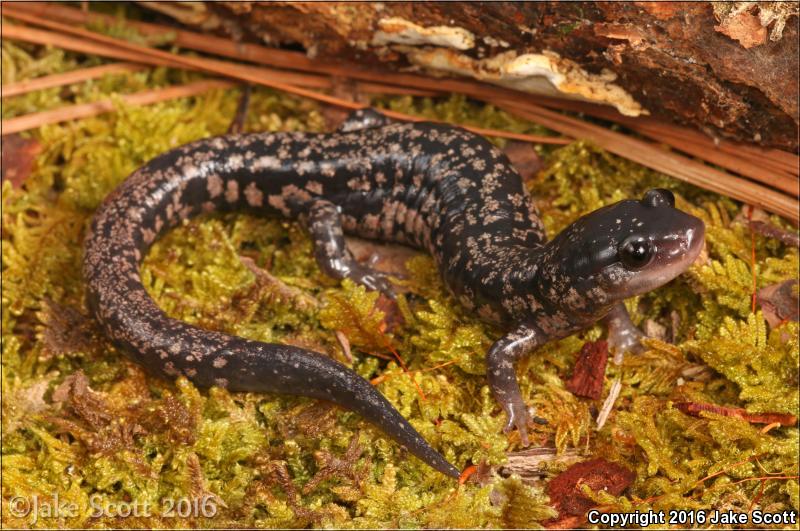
[(83, 423)]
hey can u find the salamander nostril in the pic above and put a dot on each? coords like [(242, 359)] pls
[(659, 197)]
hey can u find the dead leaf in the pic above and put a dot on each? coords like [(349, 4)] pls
[(25, 402), (598, 474), (779, 302), (343, 88), (524, 158), (66, 330), (18, 156), (387, 258), (590, 369), (655, 329), (345, 344)]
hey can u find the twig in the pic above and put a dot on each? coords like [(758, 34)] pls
[(68, 78), (752, 260), (47, 38), (608, 405), (774, 157), (279, 288), (239, 72), (85, 110), (772, 231), (240, 118), (695, 408)]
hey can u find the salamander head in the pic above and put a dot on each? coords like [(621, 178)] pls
[(619, 251)]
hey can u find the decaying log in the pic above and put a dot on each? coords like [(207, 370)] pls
[(728, 68)]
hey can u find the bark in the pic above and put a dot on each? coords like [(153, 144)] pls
[(730, 69)]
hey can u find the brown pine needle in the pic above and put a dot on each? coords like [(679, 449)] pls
[(750, 161), (651, 156), (85, 110), (47, 38), (80, 45), (691, 145), (68, 78), (756, 156), (633, 149), (256, 75)]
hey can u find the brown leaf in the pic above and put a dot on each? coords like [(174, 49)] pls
[(173, 417), (565, 489), (24, 402), (84, 402), (347, 89), (779, 302), (392, 316), (524, 158), (590, 369), (66, 330), (18, 156), (384, 257)]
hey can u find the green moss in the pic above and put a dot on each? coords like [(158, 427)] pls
[(267, 460)]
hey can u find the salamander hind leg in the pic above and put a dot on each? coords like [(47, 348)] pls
[(503, 380), (331, 253), (623, 336), (363, 119)]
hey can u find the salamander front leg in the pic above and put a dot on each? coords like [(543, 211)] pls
[(623, 336), (503, 379), (330, 251)]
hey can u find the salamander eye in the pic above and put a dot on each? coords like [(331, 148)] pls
[(635, 252)]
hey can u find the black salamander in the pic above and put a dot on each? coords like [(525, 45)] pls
[(431, 186)]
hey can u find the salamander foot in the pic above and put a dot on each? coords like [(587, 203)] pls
[(517, 417), (331, 253), (623, 336)]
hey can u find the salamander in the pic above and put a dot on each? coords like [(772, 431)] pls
[(431, 186)]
